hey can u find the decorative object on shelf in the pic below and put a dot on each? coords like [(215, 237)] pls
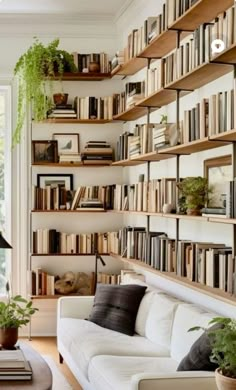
[(222, 340), (167, 208), (54, 180), (44, 152), (196, 192), (14, 313), (218, 171), (97, 257), (60, 98), (94, 67), (70, 282), (67, 143), (164, 119), (33, 80)]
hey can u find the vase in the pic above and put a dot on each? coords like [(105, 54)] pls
[(60, 98), (8, 337), (196, 212), (94, 67), (224, 382)]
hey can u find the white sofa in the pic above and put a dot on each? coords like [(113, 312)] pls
[(102, 359)]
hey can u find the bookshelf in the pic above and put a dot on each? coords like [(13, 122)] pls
[(80, 76), (131, 114), (78, 121)]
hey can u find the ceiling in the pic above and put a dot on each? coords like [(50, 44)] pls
[(97, 8)]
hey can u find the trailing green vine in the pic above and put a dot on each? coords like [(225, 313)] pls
[(35, 71)]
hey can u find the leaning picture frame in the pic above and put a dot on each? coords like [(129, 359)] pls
[(54, 180), (44, 152), (67, 143), (218, 171)]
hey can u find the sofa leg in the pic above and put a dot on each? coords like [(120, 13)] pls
[(60, 359)]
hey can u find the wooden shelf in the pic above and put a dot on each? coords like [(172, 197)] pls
[(130, 67), (68, 211), (158, 99), (154, 156), (227, 56), (66, 254), (227, 136), (212, 292), (193, 147), (71, 165), (202, 12), (77, 121), (82, 76), (127, 163), (131, 114), (56, 296), (229, 221), (163, 215), (200, 76)]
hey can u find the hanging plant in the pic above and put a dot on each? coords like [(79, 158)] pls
[(35, 71)]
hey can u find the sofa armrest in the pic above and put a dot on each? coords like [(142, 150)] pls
[(184, 380), (74, 307)]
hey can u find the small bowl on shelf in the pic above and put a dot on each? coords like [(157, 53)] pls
[(94, 67), (60, 98)]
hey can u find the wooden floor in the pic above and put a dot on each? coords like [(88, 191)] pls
[(48, 346)]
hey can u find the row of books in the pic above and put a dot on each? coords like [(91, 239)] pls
[(51, 241), (146, 196), (40, 282), (134, 92), (106, 278), (211, 116), (145, 139), (153, 26), (199, 47), (14, 366), (97, 152), (90, 107), (82, 61), (155, 79), (207, 263)]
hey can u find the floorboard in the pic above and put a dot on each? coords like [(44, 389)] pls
[(48, 346)]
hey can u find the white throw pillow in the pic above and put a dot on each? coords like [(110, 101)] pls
[(160, 319), (144, 307)]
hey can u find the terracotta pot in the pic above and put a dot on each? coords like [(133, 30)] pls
[(60, 98), (223, 382), (193, 212), (8, 337), (94, 67)]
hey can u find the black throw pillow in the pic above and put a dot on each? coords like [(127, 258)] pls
[(198, 358), (115, 307)]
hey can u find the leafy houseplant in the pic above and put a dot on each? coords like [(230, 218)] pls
[(14, 314), (223, 343), (195, 192), (34, 69)]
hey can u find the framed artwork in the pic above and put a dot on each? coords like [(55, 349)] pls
[(218, 170), (55, 180), (67, 143), (44, 152)]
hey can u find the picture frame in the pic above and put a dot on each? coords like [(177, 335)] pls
[(44, 151), (218, 170), (67, 143), (65, 180)]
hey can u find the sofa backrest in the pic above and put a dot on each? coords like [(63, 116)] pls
[(187, 316)]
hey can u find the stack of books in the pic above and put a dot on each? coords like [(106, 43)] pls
[(14, 366), (118, 59), (98, 153), (91, 204), (63, 111)]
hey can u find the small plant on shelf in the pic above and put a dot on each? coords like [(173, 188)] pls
[(223, 344), (195, 194), (34, 69)]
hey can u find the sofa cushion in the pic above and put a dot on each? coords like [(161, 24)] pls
[(115, 372), (143, 310), (115, 307), (198, 358), (187, 316), (160, 319), (84, 340)]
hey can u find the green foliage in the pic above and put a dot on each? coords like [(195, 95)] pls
[(195, 191), (164, 119), (16, 312), (223, 342), (34, 69)]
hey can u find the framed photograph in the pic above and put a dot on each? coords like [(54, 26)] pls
[(55, 180), (67, 143), (218, 170), (44, 152)]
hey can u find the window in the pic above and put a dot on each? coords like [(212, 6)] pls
[(5, 181)]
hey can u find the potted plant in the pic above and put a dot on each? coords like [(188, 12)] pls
[(14, 313), (223, 344), (35, 70), (194, 193)]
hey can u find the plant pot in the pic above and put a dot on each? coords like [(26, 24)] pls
[(8, 337), (60, 98), (193, 212), (223, 382), (94, 67)]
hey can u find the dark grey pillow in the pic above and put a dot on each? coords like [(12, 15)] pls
[(198, 358), (115, 307)]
